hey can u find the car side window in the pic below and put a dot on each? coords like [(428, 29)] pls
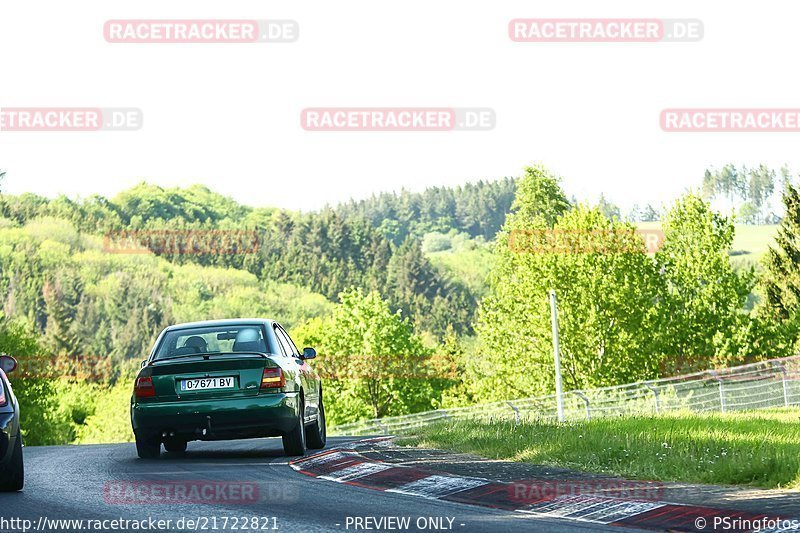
[(285, 346), (291, 342)]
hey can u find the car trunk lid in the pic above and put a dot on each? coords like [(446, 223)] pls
[(231, 375)]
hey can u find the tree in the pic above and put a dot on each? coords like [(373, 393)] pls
[(478, 209), (781, 279), (606, 286), (650, 214), (539, 199), (609, 209), (374, 364), (703, 294), (779, 309), (635, 214), (760, 186), (749, 188), (61, 295), (420, 291)]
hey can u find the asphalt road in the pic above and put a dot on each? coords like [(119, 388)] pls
[(246, 483)]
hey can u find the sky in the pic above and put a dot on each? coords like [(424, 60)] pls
[(228, 115)]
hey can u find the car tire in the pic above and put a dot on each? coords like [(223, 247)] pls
[(13, 477), (147, 448), (317, 433), (294, 442), (175, 445)]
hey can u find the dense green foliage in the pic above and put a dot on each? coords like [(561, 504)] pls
[(782, 263), (478, 209), (624, 315), (325, 252), (605, 298), (699, 310), (53, 410), (778, 313), (84, 301), (371, 362), (460, 257), (760, 448)]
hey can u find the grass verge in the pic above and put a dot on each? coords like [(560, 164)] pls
[(758, 448)]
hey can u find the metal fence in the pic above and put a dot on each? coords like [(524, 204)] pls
[(772, 383)]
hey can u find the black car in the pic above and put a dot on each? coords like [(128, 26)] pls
[(12, 472)]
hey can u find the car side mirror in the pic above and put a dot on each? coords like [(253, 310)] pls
[(309, 353), (7, 363)]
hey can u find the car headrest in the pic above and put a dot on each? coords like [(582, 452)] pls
[(249, 340), (197, 342)]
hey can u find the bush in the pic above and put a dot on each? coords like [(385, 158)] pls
[(110, 421), (436, 242)]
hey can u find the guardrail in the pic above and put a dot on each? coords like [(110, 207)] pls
[(771, 383)]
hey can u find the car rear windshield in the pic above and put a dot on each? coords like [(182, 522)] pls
[(212, 339)]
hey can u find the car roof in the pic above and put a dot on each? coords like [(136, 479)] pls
[(223, 322)]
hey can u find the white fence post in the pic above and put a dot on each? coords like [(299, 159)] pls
[(583, 397), (516, 412), (722, 406), (557, 356), (785, 384), (655, 396)]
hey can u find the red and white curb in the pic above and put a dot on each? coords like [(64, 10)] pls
[(347, 465)]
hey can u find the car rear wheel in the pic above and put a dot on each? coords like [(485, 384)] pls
[(13, 477), (175, 445), (294, 442), (147, 448), (317, 433)]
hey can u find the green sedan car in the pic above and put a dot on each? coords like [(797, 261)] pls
[(12, 470), (227, 379)]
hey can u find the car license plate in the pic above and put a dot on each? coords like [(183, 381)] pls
[(206, 383)]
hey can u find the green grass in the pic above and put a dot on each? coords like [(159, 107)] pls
[(758, 448), (749, 242)]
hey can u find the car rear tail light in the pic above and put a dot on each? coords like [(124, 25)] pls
[(144, 388), (272, 378)]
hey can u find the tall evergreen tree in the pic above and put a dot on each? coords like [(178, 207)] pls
[(781, 278)]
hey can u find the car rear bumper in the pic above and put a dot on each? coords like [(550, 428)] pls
[(265, 415)]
